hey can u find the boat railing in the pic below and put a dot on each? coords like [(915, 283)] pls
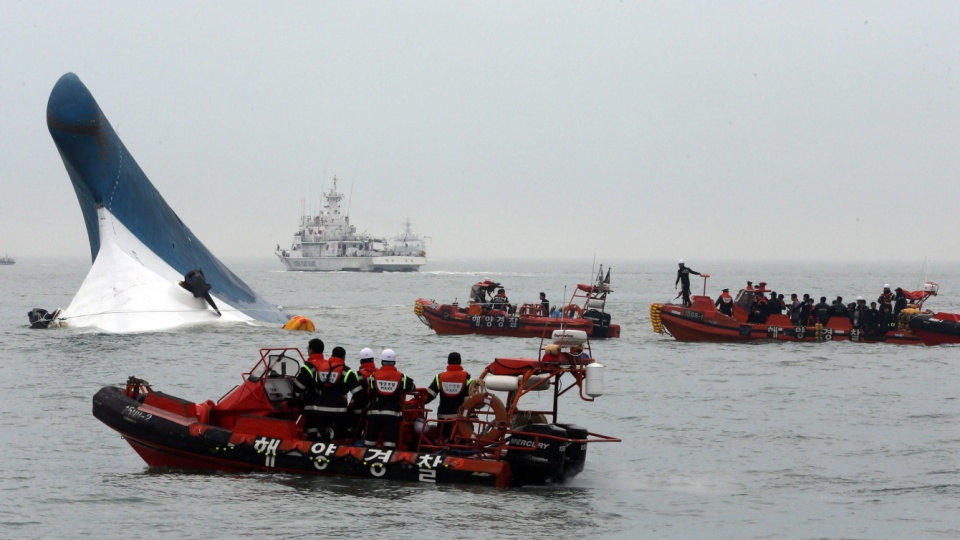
[(492, 448)]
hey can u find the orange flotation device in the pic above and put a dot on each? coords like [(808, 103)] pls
[(299, 323), (494, 430)]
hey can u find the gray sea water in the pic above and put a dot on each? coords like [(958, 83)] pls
[(773, 440)]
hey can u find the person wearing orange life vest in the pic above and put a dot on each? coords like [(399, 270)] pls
[(452, 386), (306, 385), (725, 303), (334, 385), (367, 363), (886, 297), (387, 388)]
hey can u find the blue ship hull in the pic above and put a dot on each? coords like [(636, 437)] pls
[(106, 177)]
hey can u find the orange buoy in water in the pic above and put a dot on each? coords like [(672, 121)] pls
[(300, 323)]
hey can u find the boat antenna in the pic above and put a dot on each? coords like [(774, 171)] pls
[(353, 182), (923, 274)]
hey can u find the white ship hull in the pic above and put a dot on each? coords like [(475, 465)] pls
[(380, 263), (328, 242)]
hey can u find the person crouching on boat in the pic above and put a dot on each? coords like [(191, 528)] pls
[(387, 389), (334, 385), (452, 386), (306, 383)]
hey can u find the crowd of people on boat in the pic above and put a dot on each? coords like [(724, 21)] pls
[(874, 319), (367, 404)]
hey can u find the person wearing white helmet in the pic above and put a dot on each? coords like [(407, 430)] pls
[(367, 364), (886, 297), (683, 278), (358, 402), (387, 389)]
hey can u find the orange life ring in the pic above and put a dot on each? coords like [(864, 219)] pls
[(473, 403), (572, 311)]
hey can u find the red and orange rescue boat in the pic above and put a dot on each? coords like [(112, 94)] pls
[(701, 321), (585, 312), (258, 426)]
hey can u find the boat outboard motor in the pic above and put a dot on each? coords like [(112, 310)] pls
[(195, 282), (41, 318), (576, 454), (601, 322), (543, 463)]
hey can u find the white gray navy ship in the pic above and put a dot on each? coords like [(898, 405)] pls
[(327, 242)]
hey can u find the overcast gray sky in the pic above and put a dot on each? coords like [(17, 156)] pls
[(703, 130)]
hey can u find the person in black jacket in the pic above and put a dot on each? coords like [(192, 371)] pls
[(335, 384), (805, 308), (822, 311), (724, 303), (544, 306), (683, 277), (453, 387)]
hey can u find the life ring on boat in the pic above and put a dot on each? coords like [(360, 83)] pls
[(572, 311), (494, 429), (526, 309)]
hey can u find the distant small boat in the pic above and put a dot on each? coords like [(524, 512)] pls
[(7, 260), (585, 312)]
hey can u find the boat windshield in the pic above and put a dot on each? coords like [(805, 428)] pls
[(277, 364), (745, 300)]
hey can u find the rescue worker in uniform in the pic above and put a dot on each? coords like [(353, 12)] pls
[(335, 384), (871, 321), (838, 309), (886, 297), (306, 384), (899, 303), (500, 300), (367, 364), (544, 305), (683, 277), (822, 311), (452, 386), (725, 303), (856, 314), (358, 402), (806, 306), (387, 389), (775, 305)]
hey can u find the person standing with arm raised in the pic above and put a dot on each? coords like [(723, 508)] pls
[(683, 278)]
